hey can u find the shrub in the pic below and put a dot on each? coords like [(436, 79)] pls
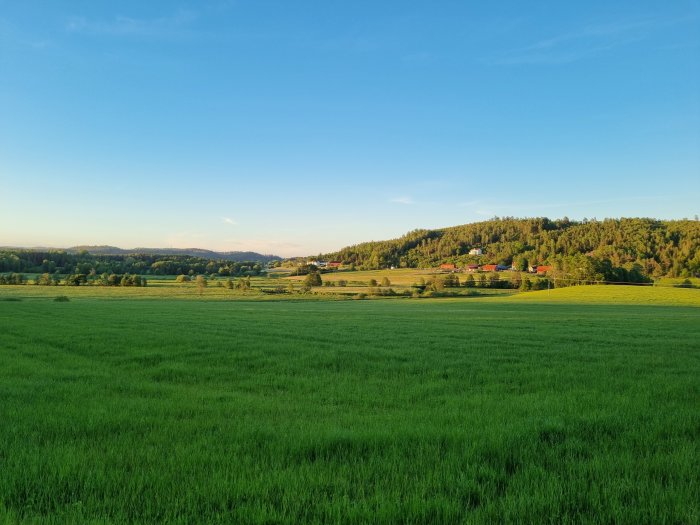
[(61, 299)]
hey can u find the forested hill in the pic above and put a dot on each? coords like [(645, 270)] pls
[(191, 252), (645, 247)]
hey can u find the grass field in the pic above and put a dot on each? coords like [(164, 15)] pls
[(569, 406)]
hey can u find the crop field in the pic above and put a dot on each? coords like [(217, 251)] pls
[(579, 405)]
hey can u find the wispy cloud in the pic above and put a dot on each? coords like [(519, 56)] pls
[(422, 57), (579, 44), (228, 220), (127, 26), (281, 247), (402, 200), (491, 209)]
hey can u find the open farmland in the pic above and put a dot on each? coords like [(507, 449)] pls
[(541, 407)]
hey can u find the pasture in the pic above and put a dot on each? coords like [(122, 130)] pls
[(546, 407)]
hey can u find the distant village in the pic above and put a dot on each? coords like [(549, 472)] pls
[(448, 267)]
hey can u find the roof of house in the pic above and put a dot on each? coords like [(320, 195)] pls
[(489, 267), (449, 266)]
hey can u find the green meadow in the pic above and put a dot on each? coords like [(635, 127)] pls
[(173, 405)]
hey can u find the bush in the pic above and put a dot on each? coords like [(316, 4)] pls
[(61, 299), (360, 296)]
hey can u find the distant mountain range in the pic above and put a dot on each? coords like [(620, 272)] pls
[(192, 252)]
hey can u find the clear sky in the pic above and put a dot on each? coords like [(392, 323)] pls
[(300, 127)]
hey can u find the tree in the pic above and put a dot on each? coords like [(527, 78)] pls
[(243, 284), (44, 280), (525, 285), (372, 283), (313, 279), (201, 283), (386, 281)]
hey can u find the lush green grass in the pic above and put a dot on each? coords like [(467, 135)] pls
[(425, 411), (621, 295)]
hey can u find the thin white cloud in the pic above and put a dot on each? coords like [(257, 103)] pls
[(421, 57), (228, 220), (403, 200), (590, 40), (493, 208), (128, 26)]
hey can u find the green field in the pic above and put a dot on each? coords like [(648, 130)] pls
[(579, 405)]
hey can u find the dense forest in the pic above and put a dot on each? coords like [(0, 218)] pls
[(85, 263), (625, 250)]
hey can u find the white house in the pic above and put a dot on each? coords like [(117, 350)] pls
[(476, 251)]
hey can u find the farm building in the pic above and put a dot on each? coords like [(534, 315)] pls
[(334, 264), (476, 251), (448, 266), (490, 268), (542, 269), (472, 267)]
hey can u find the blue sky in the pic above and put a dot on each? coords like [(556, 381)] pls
[(301, 127)]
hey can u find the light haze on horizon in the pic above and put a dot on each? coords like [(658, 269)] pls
[(300, 128)]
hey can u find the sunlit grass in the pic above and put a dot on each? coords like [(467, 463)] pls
[(631, 295), (420, 411)]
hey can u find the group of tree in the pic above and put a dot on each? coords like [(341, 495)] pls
[(61, 262), (76, 279), (623, 250)]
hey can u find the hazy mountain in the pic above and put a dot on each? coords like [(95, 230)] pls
[(192, 252)]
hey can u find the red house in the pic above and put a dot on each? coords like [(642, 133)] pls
[(543, 269), (448, 266), (334, 264), (490, 268), (472, 267)]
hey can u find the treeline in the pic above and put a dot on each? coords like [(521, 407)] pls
[(78, 279), (624, 250), (84, 263)]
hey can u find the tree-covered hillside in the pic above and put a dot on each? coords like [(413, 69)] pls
[(613, 249)]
